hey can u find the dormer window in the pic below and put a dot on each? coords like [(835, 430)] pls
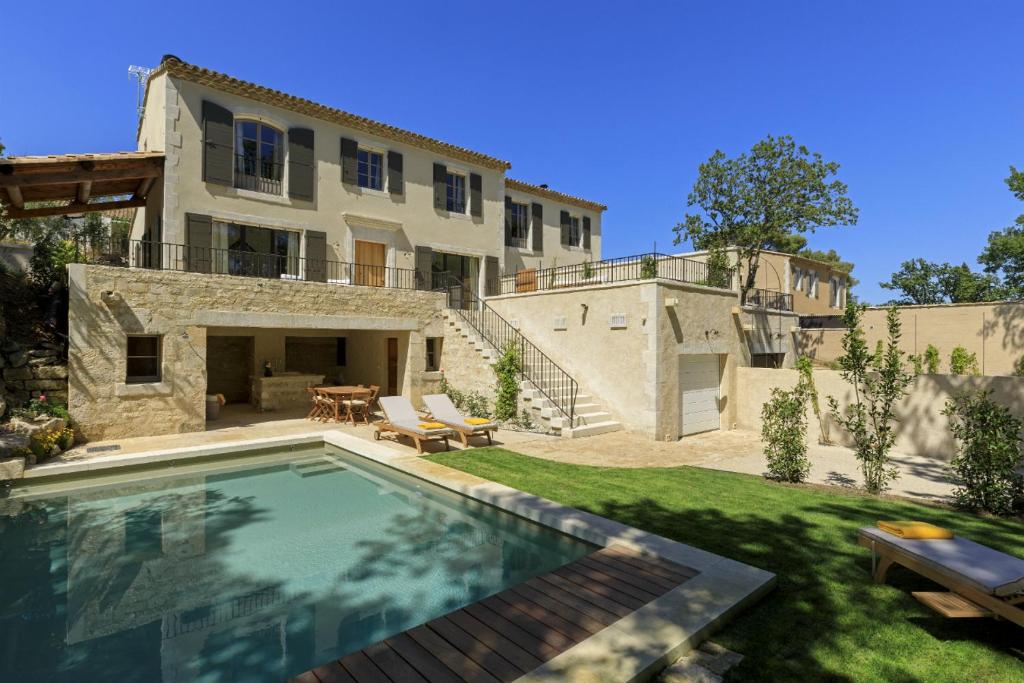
[(258, 157)]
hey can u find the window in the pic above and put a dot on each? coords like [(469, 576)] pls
[(517, 226), (767, 360), (835, 292), (434, 354), (812, 284), (798, 277), (575, 235), (258, 157), (253, 251), (456, 193), (341, 351), (371, 169), (143, 360)]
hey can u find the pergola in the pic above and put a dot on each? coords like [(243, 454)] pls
[(86, 182)]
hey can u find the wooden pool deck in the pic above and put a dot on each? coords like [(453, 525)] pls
[(508, 635)]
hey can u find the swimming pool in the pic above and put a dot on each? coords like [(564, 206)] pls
[(245, 571)]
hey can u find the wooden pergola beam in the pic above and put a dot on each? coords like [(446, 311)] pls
[(75, 207), (143, 189), (84, 189), (9, 179)]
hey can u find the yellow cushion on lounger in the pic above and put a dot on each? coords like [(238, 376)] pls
[(431, 425), (918, 530), (477, 421)]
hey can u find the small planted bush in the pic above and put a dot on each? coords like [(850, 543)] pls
[(472, 402), (509, 369), (989, 454), (784, 433), (931, 360), (648, 267), (962, 362)]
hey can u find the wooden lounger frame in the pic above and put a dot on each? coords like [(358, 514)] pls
[(415, 436), (465, 432), (972, 603)]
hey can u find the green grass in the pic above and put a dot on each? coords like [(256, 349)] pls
[(825, 620)]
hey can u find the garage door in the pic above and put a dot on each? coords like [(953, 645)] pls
[(699, 393)]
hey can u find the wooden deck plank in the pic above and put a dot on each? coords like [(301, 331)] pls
[(362, 669), (332, 672), (546, 625), (578, 571), (491, 661), (422, 660), (533, 644), (652, 564), (624, 574), (506, 635), (463, 666), (393, 666), (593, 594), (496, 641)]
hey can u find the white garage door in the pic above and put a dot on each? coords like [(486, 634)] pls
[(699, 393)]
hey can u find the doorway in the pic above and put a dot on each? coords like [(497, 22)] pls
[(371, 260), (229, 364), (392, 366), (699, 395)]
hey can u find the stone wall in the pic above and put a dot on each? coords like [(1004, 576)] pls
[(107, 304), (465, 368), (28, 371), (921, 429)]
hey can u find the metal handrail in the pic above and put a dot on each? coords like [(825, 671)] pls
[(536, 367), (768, 298), (215, 261), (649, 266)]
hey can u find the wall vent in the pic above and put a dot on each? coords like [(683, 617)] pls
[(560, 323), (617, 321)]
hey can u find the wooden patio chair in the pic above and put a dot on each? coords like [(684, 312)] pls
[(318, 407), (358, 405), (372, 405), (982, 582)]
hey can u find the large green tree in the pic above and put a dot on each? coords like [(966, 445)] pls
[(1003, 256), (925, 282), (761, 199)]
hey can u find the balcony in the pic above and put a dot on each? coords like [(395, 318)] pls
[(191, 259), (769, 299)]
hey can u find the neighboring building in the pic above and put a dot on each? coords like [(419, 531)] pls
[(793, 282)]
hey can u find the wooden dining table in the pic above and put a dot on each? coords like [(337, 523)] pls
[(339, 394)]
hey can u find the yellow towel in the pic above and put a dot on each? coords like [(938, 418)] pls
[(431, 425), (921, 530), (477, 421)]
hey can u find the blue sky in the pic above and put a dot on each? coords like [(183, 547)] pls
[(921, 102)]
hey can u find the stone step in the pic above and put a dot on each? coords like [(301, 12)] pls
[(592, 429)]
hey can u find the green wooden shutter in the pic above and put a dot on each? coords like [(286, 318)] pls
[(396, 177), (440, 186), (538, 226), (199, 241), (218, 144), (316, 256), (424, 264), (301, 164), (492, 282), (349, 162), (566, 223), (508, 221), (476, 195), (586, 232)]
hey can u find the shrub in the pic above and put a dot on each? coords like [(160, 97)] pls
[(472, 402), (879, 356), (648, 267), (917, 363), (588, 270), (784, 433), (509, 369), (720, 268), (988, 456), (877, 386), (1018, 367), (41, 406), (961, 362), (931, 360), (525, 421)]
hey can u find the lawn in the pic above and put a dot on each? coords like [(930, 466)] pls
[(825, 620)]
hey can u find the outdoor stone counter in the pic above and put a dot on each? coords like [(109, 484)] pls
[(283, 391)]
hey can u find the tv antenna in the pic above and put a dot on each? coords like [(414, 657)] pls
[(141, 74)]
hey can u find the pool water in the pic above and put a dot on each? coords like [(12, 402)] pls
[(245, 572)]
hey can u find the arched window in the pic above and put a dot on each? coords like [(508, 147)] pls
[(259, 157)]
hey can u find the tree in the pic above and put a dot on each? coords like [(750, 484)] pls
[(926, 282), (762, 199), (877, 385), (1004, 254)]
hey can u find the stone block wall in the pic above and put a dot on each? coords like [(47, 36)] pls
[(28, 371), (107, 304)]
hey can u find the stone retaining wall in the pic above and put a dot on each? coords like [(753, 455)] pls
[(28, 371)]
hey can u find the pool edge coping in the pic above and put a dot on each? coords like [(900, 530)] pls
[(631, 649)]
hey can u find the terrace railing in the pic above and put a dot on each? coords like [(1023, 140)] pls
[(768, 298), (536, 367), (640, 267), (259, 175), (192, 259)]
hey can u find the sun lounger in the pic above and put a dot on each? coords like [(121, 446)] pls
[(982, 582), (400, 417), (443, 410)]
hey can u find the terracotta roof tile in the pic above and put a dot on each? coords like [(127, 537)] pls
[(519, 185)]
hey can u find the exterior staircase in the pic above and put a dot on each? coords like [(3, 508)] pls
[(547, 401)]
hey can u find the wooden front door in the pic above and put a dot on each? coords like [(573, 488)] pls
[(370, 264), (392, 366)]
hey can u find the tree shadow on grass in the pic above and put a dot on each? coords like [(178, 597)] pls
[(825, 610)]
